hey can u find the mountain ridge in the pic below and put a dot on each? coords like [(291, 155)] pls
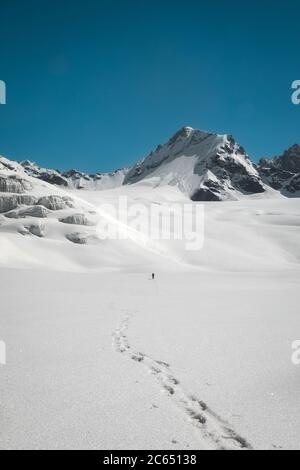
[(205, 166)]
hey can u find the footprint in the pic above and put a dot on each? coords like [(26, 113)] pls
[(173, 380), (168, 389), (161, 363), (210, 427), (154, 371), (137, 357), (196, 416)]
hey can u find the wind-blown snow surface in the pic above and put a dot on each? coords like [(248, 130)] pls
[(99, 356)]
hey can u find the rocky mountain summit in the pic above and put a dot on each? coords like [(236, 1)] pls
[(283, 172), (205, 166)]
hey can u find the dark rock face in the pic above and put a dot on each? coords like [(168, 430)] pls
[(210, 191), (228, 169), (251, 185), (49, 176), (6, 164), (205, 195), (293, 186), (283, 173), (53, 179), (290, 160)]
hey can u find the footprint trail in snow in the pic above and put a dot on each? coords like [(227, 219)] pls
[(213, 431)]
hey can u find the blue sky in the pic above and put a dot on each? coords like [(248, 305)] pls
[(95, 85)]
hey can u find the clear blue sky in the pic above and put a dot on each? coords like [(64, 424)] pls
[(96, 84)]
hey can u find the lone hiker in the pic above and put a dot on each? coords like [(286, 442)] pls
[(153, 276)]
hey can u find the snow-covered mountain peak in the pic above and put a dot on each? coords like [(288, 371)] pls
[(203, 165)]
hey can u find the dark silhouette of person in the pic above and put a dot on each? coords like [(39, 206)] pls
[(153, 276)]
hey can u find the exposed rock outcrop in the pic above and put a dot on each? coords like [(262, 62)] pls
[(283, 173)]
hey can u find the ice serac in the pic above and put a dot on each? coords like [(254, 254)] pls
[(204, 166), (30, 211), (283, 172), (30, 206), (77, 219)]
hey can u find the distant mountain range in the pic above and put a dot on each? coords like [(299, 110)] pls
[(204, 166)]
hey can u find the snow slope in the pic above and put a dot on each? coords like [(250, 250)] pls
[(221, 342), (99, 356), (253, 234)]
